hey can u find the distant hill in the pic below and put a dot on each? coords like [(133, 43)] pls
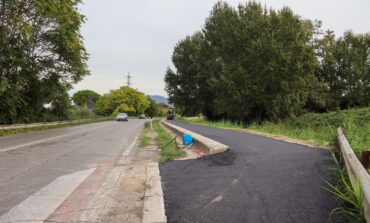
[(159, 99)]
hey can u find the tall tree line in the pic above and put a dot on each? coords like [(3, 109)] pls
[(41, 54), (251, 63)]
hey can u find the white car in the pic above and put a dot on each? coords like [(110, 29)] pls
[(122, 117)]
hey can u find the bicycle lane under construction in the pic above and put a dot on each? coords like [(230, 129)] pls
[(258, 180)]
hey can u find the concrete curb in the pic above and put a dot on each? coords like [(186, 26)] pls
[(210, 145), (154, 211)]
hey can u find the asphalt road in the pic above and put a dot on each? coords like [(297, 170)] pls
[(258, 180), (30, 161)]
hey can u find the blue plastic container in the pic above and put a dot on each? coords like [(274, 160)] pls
[(187, 139)]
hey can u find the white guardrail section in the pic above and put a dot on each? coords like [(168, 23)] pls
[(32, 125), (357, 173)]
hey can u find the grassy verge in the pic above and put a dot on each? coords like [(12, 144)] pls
[(319, 128), (168, 148), (144, 139), (40, 128)]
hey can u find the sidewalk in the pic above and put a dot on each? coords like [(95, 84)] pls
[(124, 194)]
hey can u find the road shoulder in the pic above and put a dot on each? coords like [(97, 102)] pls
[(132, 191)]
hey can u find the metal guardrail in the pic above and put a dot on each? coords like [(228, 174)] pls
[(357, 173), (32, 125)]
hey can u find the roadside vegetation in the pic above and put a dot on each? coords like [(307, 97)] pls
[(318, 128), (250, 64), (42, 56), (350, 203), (144, 138), (124, 99), (169, 151)]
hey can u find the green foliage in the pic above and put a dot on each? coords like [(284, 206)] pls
[(60, 105), (319, 128), (247, 63), (78, 112), (349, 197), (153, 110), (124, 99), (144, 141), (163, 108), (144, 138), (81, 98), (168, 148), (345, 69), (184, 86), (42, 53), (251, 64)]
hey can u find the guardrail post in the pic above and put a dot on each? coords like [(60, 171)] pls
[(365, 155)]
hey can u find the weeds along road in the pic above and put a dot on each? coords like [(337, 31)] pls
[(31, 161), (258, 180)]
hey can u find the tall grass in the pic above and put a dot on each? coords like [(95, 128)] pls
[(144, 138), (318, 128), (168, 147), (350, 206)]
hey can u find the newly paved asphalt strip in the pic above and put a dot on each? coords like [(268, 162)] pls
[(258, 180), (50, 164)]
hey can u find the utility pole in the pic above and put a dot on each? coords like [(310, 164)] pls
[(128, 80)]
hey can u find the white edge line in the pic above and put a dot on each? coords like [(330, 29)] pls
[(131, 146)]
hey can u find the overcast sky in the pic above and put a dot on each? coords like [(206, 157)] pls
[(138, 36)]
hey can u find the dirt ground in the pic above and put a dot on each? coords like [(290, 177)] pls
[(120, 199)]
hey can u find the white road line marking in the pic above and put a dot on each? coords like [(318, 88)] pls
[(45, 140), (130, 147), (217, 199), (38, 207)]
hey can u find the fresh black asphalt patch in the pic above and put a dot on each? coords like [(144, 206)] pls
[(258, 180)]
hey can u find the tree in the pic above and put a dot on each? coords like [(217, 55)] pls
[(60, 105), (345, 69), (153, 110), (183, 86), (124, 99), (81, 98), (246, 64), (41, 54)]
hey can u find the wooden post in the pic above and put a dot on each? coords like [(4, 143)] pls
[(365, 155)]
